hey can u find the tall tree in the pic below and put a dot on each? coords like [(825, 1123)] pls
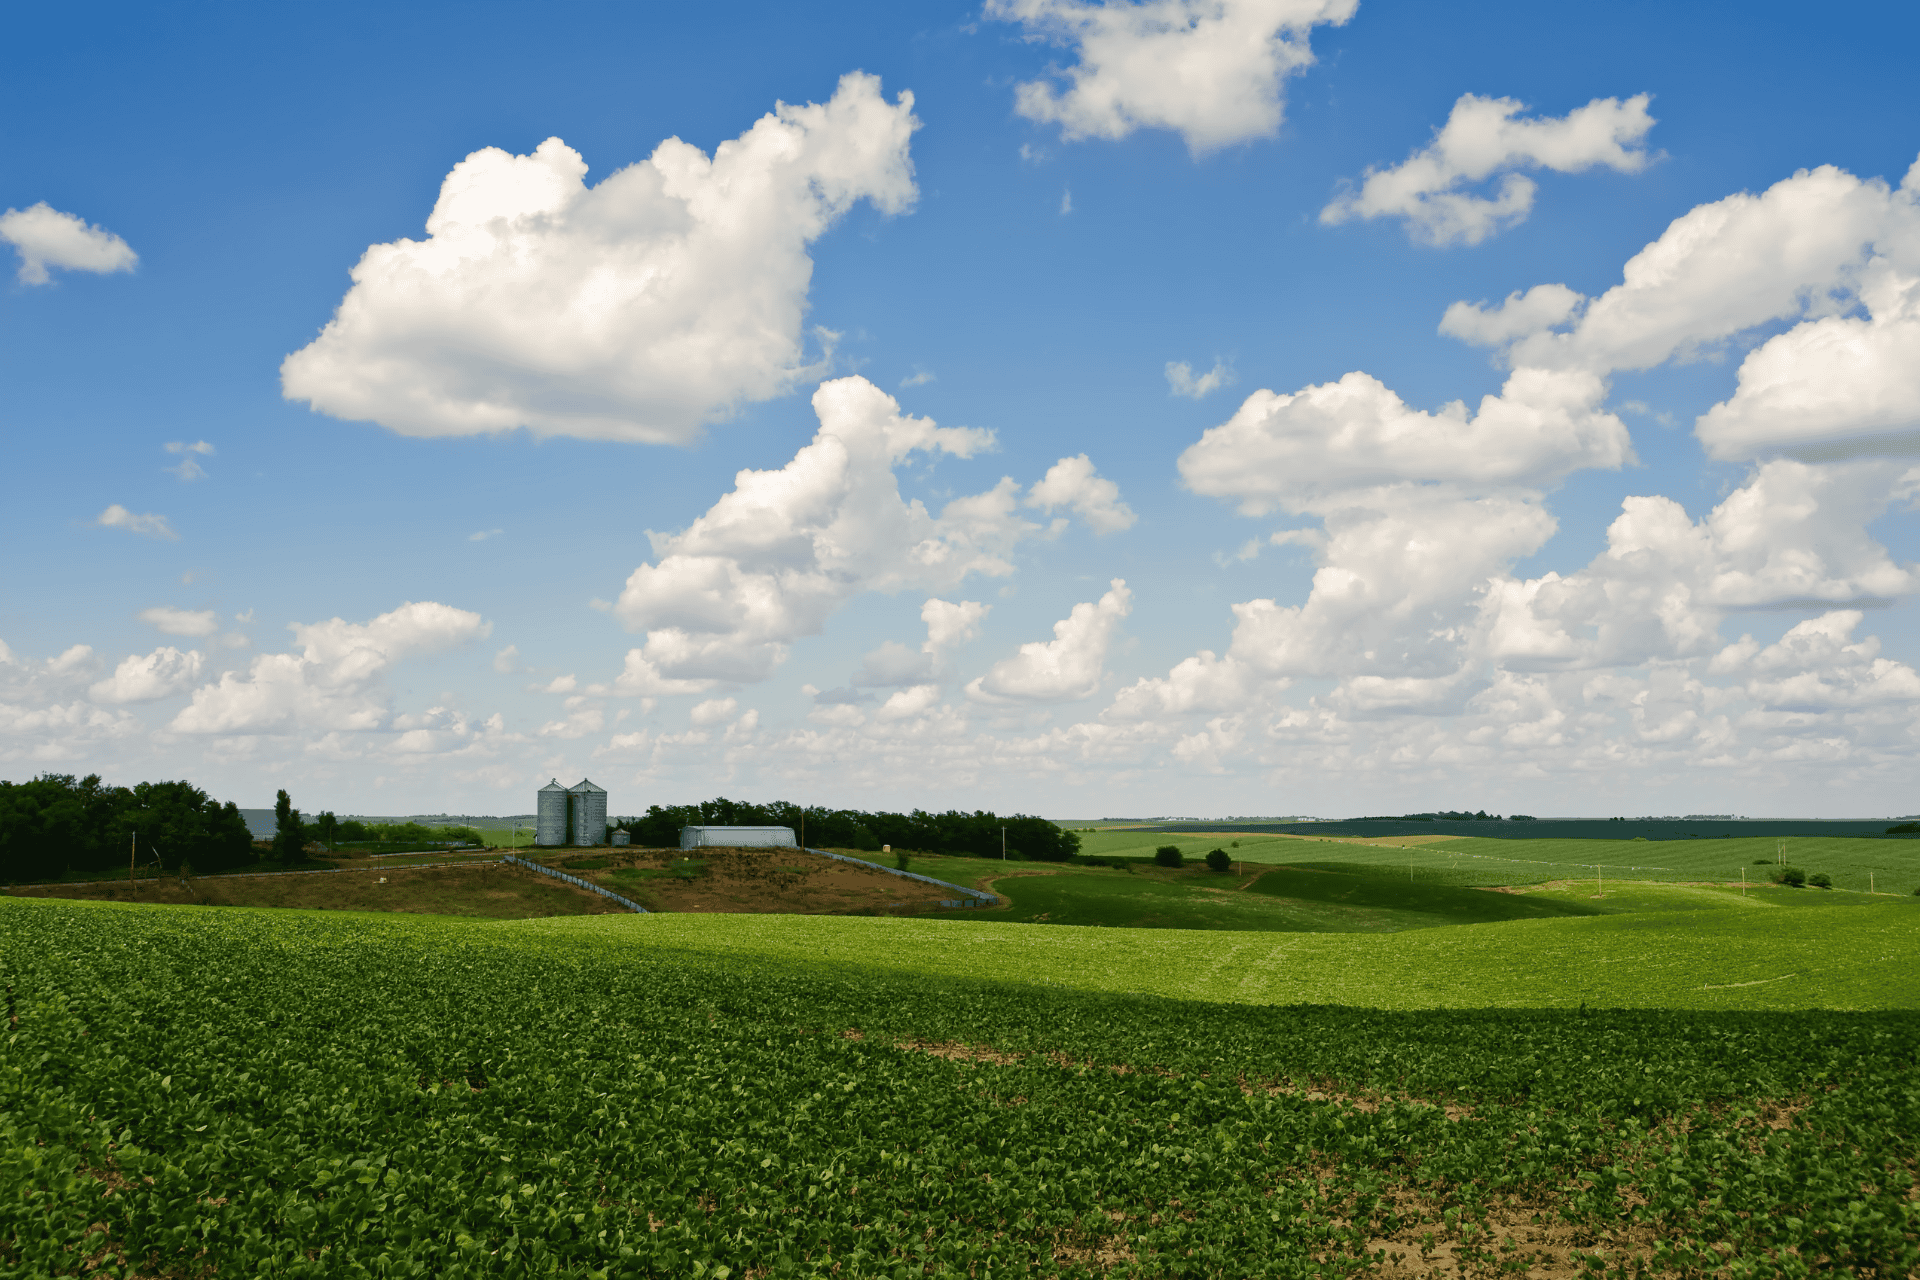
[(286, 830)]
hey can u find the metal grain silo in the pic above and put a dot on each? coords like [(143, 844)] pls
[(550, 824), (589, 812)]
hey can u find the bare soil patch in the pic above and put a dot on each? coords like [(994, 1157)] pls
[(771, 881), (490, 889)]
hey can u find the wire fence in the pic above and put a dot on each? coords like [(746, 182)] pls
[(576, 881)]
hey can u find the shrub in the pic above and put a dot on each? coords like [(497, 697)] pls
[(1639, 839), (1218, 860), (1820, 880), (1168, 855), (1792, 876), (900, 859)]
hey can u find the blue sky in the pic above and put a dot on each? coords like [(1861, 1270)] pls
[(484, 531)]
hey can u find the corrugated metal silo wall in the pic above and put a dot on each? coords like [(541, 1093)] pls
[(589, 814), (551, 825)]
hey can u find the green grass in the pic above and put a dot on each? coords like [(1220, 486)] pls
[(1832, 957), (1117, 900), (1360, 899)]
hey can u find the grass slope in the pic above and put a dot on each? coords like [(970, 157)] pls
[(1814, 958)]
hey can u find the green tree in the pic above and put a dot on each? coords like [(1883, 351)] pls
[(1219, 860), (286, 830), (1168, 855)]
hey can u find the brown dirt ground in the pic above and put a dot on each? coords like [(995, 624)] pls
[(489, 889), (788, 881)]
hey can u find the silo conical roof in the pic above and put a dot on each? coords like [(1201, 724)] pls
[(553, 786), (586, 786)]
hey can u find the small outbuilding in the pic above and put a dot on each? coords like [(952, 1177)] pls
[(737, 837)]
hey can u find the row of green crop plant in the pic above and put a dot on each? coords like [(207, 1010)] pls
[(980, 834), (58, 826), (583, 1104)]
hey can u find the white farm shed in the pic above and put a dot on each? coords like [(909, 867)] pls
[(737, 837)]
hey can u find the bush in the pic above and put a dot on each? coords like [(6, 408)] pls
[(1218, 860), (1168, 855), (1821, 880), (900, 859), (1791, 876), (1640, 839)]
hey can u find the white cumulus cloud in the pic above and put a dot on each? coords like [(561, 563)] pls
[(773, 559), (45, 237), (1075, 484), (160, 674), (1068, 666), (1482, 137), (1305, 449), (334, 682), (638, 309), (1210, 70), (180, 622)]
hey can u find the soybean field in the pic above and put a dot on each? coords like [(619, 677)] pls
[(238, 1092)]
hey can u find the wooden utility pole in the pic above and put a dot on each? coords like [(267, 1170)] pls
[(133, 844)]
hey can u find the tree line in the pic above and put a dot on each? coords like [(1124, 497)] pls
[(59, 825), (977, 834)]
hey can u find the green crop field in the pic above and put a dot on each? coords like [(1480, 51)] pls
[(189, 1092), (1893, 864)]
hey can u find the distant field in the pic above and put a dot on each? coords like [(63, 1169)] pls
[(1893, 864)]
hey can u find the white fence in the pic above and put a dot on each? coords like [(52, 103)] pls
[(576, 881)]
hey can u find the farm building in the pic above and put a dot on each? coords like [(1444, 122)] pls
[(737, 837), (571, 815)]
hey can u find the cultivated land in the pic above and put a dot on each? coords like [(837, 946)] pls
[(187, 1092), (488, 889), (1340, 1058)]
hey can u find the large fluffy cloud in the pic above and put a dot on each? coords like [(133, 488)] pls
[(1794, 535), (160, 674), (1414, 608), (1305, 449), (1075, 484), (45, 237), (774, 558), (1211, 70), (335, 680), (1068, 666), (43, 716), (1482, 138), (637, 309)]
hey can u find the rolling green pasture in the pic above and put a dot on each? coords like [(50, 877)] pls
[(1314, 898), (235, 1092), (1811, 958)]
